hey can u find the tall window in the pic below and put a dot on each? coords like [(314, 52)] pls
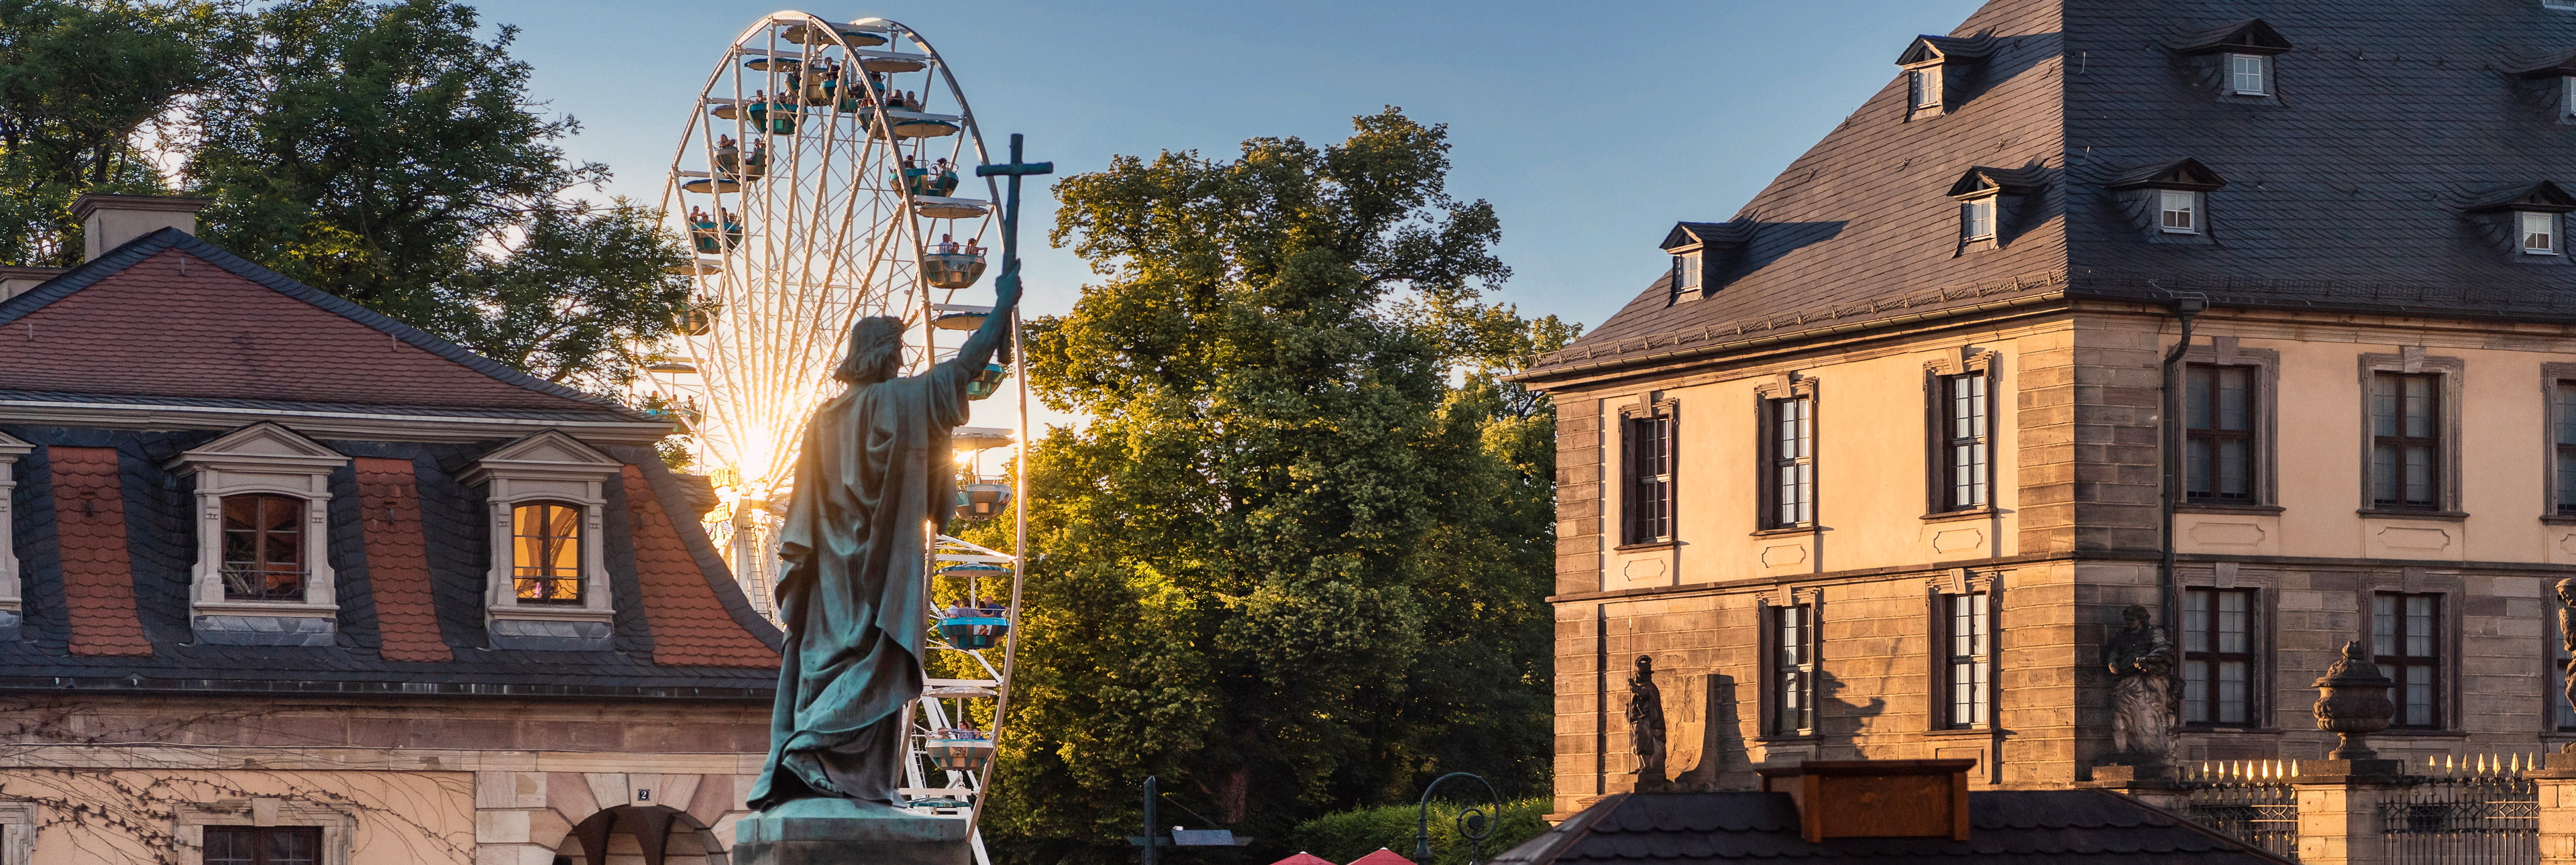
[(2218, 656), (263, 548), (546, 560), (1965, 452), (2247, 75), (2406, 638), (1923, 88), (1685, 274), (263, 845), (1793, 461), (1793, 669), (2218, 433), (2563, 436), (1649, 478), (2405, 441), (2181, 211), (1967, 628), (2539, 233), (1977, 218)]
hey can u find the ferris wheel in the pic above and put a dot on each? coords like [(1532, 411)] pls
[(818, 182)]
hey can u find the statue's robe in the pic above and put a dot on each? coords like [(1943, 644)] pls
[(875, 480)]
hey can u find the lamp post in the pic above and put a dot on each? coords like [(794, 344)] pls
[(1474, 824)]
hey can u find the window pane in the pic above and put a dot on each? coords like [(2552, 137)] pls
[(2537, 233), (2235, 398), (2419, 695), (2195, 692), (2235, 469), (289, 847), (2197, 383), (2383, 405), (2195, 621), (2419, 406), (2567, 413), (2383, 475), (2419, 474), (2178, 210), (2232, 692), (2200, 469), (231, 845), (2383, 622)]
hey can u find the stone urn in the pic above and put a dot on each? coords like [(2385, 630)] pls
[(2352, 700)]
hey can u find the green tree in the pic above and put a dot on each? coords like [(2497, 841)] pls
[(79, 82), (1296, 559)]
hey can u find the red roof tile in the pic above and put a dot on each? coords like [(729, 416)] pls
[(398, 562), (690, 627), (98, 578), (175, 325)]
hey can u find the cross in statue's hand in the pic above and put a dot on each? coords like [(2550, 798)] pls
[(1015, 170)]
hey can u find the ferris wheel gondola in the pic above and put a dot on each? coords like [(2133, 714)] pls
[(819, 180)]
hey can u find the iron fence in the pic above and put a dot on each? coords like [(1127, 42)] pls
[(2249, 801), (2481, 813)]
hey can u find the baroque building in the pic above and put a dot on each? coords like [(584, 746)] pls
[(285, 582), (2257, 315)]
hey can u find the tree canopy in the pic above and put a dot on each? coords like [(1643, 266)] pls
[(381, 151), (1296, 559)]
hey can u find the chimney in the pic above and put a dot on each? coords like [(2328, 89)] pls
[(1875, 798), (15, 281), (108, 221)]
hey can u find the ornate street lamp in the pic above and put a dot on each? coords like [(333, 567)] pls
[(1474, 824)]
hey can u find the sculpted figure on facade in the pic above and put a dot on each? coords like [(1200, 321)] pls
[(2142, 691), (2567, 638), (1646, 724)]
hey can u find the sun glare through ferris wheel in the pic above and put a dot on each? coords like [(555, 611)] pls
[(818, 180)]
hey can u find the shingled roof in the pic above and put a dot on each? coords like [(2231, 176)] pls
[(2345, 189), (2075, 827)]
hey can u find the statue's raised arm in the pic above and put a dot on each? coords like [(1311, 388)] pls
[(996, 330)]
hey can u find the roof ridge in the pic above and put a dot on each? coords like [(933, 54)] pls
[(135, 251)]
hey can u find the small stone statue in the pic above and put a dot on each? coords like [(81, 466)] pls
[(1646, 724), (2142, 691), (2567, 637)]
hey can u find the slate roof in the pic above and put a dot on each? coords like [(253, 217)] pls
[(2347, 190), (106, 530), (169, 316), (2007, 828)]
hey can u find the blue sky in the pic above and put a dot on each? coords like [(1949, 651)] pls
[(1591, 127)]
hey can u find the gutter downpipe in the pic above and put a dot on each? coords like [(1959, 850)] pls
[(2168, 433)]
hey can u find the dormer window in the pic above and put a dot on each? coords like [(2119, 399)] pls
[(2548, 82), (263, 575), (1938, 70), (2180, 211), (1988, 200), (2166, 202), (2236, 59), (545, 563), (2567, 96), (2560, 5), (1977, 219), (549, 578), (2249, 75), (2539, 233), (1699, 253)]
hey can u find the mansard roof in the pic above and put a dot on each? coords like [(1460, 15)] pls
[(170, 317), (2344, 192)]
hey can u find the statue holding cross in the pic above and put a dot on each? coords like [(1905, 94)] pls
[(875, 483)]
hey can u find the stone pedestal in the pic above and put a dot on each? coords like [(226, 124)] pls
[(2339, 810), (2557, 782), (837, 831)]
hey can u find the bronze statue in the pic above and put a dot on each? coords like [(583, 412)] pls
[(1646, 723), (874, 483), (2142, 691)]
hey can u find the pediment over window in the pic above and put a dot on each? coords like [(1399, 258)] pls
[(2250, 36), (2186, 174), (1982, 181), (263, 445), (546, 453), (1692, 236), (1947, 49), (2542, 197)]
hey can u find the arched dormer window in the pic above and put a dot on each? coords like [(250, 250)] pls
[(546, 553)]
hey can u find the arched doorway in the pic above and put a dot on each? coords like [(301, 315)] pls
[(641, 835)]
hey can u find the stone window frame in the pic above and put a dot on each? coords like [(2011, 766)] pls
[(2226, 351), (2257, 628), (18, 821), (339, 824), (2451, 373), (2453, 593), (1655, 404), (2263, 696), (1935, 460), (11, 596), (265, 458), (1937, 592), (1768, 695), (550, 466), (2551, 376), (1766, 448)]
